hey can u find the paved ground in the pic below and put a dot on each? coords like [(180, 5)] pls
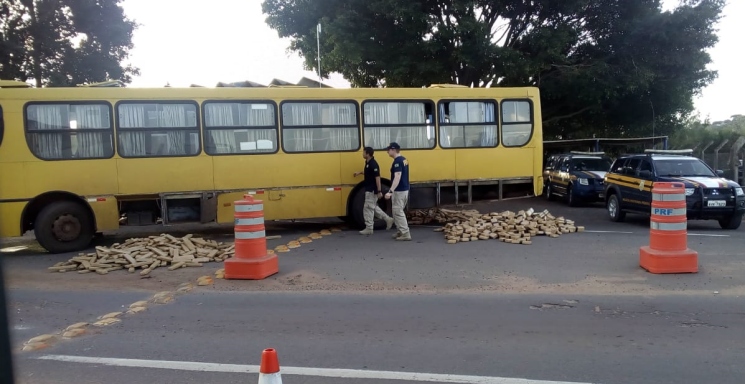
[(369, 303), (598, 339)]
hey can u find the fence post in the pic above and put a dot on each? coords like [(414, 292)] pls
[(716, 153), (733, 158), (703, 150)]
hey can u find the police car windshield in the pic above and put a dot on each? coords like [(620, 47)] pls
[(602, 165), (682, 168)]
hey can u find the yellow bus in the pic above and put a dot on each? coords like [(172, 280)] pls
[(80, 161)]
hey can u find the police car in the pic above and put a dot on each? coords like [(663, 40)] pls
[(709, 196), (576, 177)]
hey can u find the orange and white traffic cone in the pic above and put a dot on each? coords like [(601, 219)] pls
[(269, 370)]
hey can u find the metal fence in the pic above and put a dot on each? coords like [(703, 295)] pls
[(726, 156)]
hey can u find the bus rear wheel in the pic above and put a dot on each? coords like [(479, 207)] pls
[(64, 226), (358, 204)]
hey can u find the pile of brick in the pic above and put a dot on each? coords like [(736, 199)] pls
[(148, 254), (508, 227)]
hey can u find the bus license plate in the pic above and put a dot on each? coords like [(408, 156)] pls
[(717, 203)]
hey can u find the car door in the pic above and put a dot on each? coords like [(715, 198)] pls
[(631, 195), (646, 177), (562, 176), (550, 163)]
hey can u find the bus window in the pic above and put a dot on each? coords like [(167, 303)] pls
[(67, 131), (409, 123), (240, 127), (157, 129), (468, 124), (517, 122), (320, 126)]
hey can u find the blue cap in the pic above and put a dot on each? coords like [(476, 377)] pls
[(393, 145)]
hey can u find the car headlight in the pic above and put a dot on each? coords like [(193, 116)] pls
[(689, 191), (739, 192), (583, 181)]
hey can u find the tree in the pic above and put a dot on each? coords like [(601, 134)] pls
[(65, 42), (608, 67)]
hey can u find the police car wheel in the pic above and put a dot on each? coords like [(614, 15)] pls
[(548, 193), (731, 222), (571, 199), (614, 209)]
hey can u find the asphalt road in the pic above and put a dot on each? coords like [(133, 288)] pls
[(573, 309), (596, 339)]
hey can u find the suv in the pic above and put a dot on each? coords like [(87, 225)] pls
[(628, 186), (576, 177)]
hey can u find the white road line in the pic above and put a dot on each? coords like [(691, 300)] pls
[(609, 232), (300, 371), (689, 234)]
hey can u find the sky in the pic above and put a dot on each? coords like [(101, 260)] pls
[(184, 42)]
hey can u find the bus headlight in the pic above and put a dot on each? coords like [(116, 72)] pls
[(583, 181), (739, 192), (689, 191)]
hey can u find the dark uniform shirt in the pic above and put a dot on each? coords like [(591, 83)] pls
[(400, 164), (372, 170)]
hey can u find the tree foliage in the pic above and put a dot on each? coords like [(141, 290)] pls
[(65, 42), (604, 67), (697, 133)]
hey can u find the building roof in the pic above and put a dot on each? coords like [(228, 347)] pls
[(303, 82)]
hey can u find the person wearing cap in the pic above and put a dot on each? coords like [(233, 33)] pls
[(399, 191), (373, 192)]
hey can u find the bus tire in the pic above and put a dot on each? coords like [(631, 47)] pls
[(358, 205), (64, 226)]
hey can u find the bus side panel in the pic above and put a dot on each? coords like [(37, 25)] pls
[(106, 210), (81, 177), (425, 165), (494, 163), (296, 184), (277, 170), (10, 219), (247, 172), (352, 162), (165, 174), (12, 185), (300, 203)]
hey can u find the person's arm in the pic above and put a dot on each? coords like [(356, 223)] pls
[(396, 180), (377, 182), (358, 173)]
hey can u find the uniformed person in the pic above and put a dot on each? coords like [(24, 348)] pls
[(399, 191), (373, 193)]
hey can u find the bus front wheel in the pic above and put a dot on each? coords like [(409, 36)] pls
[(64, 226)]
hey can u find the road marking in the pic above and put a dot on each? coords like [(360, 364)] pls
[(14, 249), (299, 371), (609, 232), (689, 234)]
